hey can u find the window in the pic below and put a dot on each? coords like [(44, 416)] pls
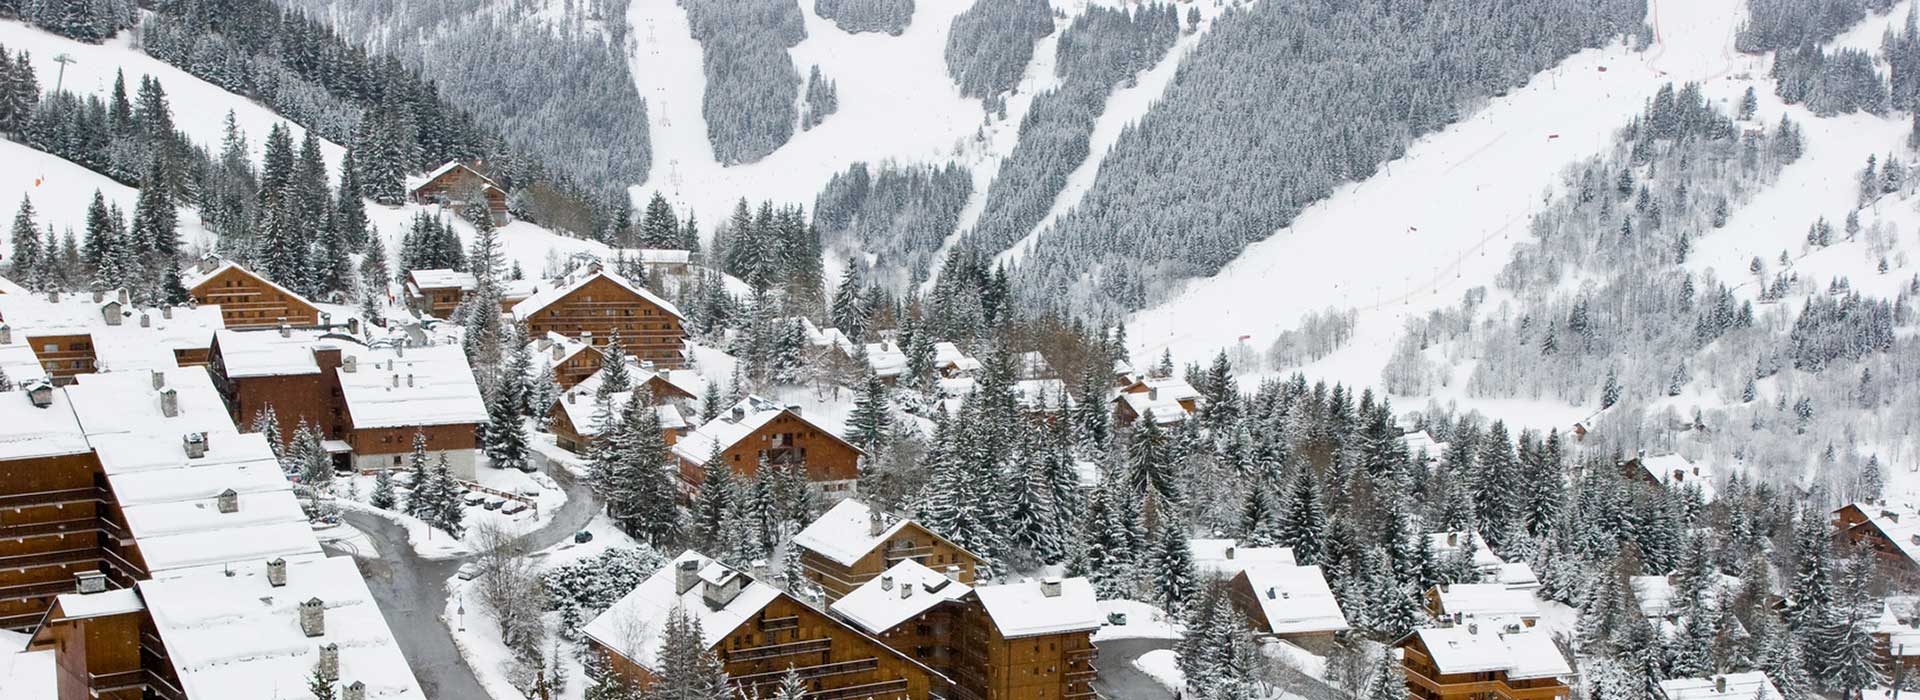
[(50, 347), (396, 460)]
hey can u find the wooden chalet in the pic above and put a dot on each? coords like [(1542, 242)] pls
[(913, 609), (1168, 399), (852, 543), (454, 184), (1028, 640), (573, 360), (437, 293), (599, 307), (1483, 661), (1890, 531), (755, 431), (1466, 601), (1747, 685), (1289, 602), (573, 419), (94, 634), (54, 528), (1671, 471), (758, 632), (249, 300)]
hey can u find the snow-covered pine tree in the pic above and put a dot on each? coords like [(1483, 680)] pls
[(1174, 574), (713, 501), (383, 496), (1303, 521), (649, 493), (615, 374), (450, 507), (870, 423), (25, 236), (422, 501), (506, 434)]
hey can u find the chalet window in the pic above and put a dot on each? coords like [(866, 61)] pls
[(396, 460), (50, 347)]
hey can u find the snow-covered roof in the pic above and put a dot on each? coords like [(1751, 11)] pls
[(734, 425), (662, 256), (1419, 440), (1225, 557), (1518, 575), (1447, 544), (887, 358), (1675, 471), (824, 338), (393, 387), (946, 354), (119, 601), (129, 402), (1655, 593), (1485, 600), (1161, 395), (1296, 599), (1041, 394), (172, 501), (27, 674), (580, 407), (845, 532), (1026, 609), (194, 278), (550, 293), (266, 353), (1903, 639), (28, 431), (19, 362), (1749, 685), (236, 635), (897, 595), (1899, 522), (123, 344), (633, 626), (417, 181), (685, 380), (1520, 652), (443, 279), (956, 387)]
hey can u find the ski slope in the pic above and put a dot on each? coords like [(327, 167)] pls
[(1444, 218)]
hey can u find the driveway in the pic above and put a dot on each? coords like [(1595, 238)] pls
[(412, 592), (1119, 680)]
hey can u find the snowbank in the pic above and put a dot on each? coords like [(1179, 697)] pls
[(1144, 621), (1163, 665)]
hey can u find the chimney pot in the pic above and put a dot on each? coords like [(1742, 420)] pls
[(313, 617), (350, 364), (195, 444), (1473, 628), (876, 522), (571, 396), (686, 575), (90, 582), (169, 402), (277, 572), (329, 664), (906, 591), (53, 296), (159, 379), (1453, 539), (111, 313), (354, 691), (1230, 551), (353, 325), (1720, 684), (99, 295), (739, 413), (123, 295), (1050, 587), (228, 501)]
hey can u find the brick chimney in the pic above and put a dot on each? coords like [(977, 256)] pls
[(228, 501), (686, 575), (1050, 587), (277, 572), (169, 402), (313, 617), (195, 445), (329, 664)]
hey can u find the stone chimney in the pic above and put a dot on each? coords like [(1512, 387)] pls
[(1453, 539), (195, 444), (166, 312), (1230, 551), (6, 334), (718, 594), (41, 394), (350, 364), (886, 582), (354, 691), (571, 396), (286, 331), (277, 572), (159, 379), (1153, 393), (90, 582), (593, 268), (313, 618), (326, 320), (906, 591), (399, 350), (228, 501), (409, 379), (329, 664), (146, 320), (739, 413), (169, 402), (686, 575), (1050, 587), (353, 325), (110, 312), (99, 295), (123, 296), (559, 352), (53, 296), (876, 522)]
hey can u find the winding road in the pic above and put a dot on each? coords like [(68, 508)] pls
[(412, 591)]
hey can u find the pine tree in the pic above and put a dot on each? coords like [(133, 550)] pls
[(450, 508), (1387, 682), (687, 670), (714, 501), (319, 684), (423, 501), (25, 236), (506, 434), (1174, 575), (1304, 522), (871, 422), (1150, 469), (383, 497), (647, 494)]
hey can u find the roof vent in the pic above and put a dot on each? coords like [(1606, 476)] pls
[(195, 445), (277, 572), (1050, 587), (169, 402), (1453, 539), (313, 617), (686, 575), (396, 381), (228, 501), (90, 582)]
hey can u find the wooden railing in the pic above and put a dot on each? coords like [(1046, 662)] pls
[(879, 689), (771, 651), (774, 624), (836, 668), (53, 498)]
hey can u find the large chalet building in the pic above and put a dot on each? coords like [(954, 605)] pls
[(598, 307), (756, 430), (1289, 602), (1890, 531), (249, 300), (1484, 660), (757, 631), (853, 543), (1032, 639), (367, 402), (454, 184), (65, 336)]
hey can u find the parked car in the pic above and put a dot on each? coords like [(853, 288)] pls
[(474, 498), (582, 537), (514, 508), (495, 502), (468, 571)]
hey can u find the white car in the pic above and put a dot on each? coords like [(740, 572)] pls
[(468, 571)]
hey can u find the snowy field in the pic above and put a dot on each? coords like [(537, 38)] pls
[(1445, 218)]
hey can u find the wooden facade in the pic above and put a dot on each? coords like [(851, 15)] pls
[(569, 369), (991, 666), (54, 525), (928, 638), (910, 541), (248, 300), (1426, 682), (96, 658), (1865, 525), (315, 398), (601, 309), (438, 302), (828, 461), (836, 661), (453, 184), (64, 356), (392, 445)]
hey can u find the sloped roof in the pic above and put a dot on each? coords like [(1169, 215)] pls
[(127, 402), (1225, 557), (28, 431), (416, 182), (634, 625), (1295, 599), (443, 279), (1675, 471), (844, 533), (1748, 685), (548, 294), (897, 595), (1487, 600), (725, 431), (265, 353), (392, 387), (193, 279), (1487, 647), (1025, 610)]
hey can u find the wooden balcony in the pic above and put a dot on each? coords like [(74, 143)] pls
[(40, 499), (774, 624), (880, 689), (774, 651), (836, 668), (1487, 689)]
